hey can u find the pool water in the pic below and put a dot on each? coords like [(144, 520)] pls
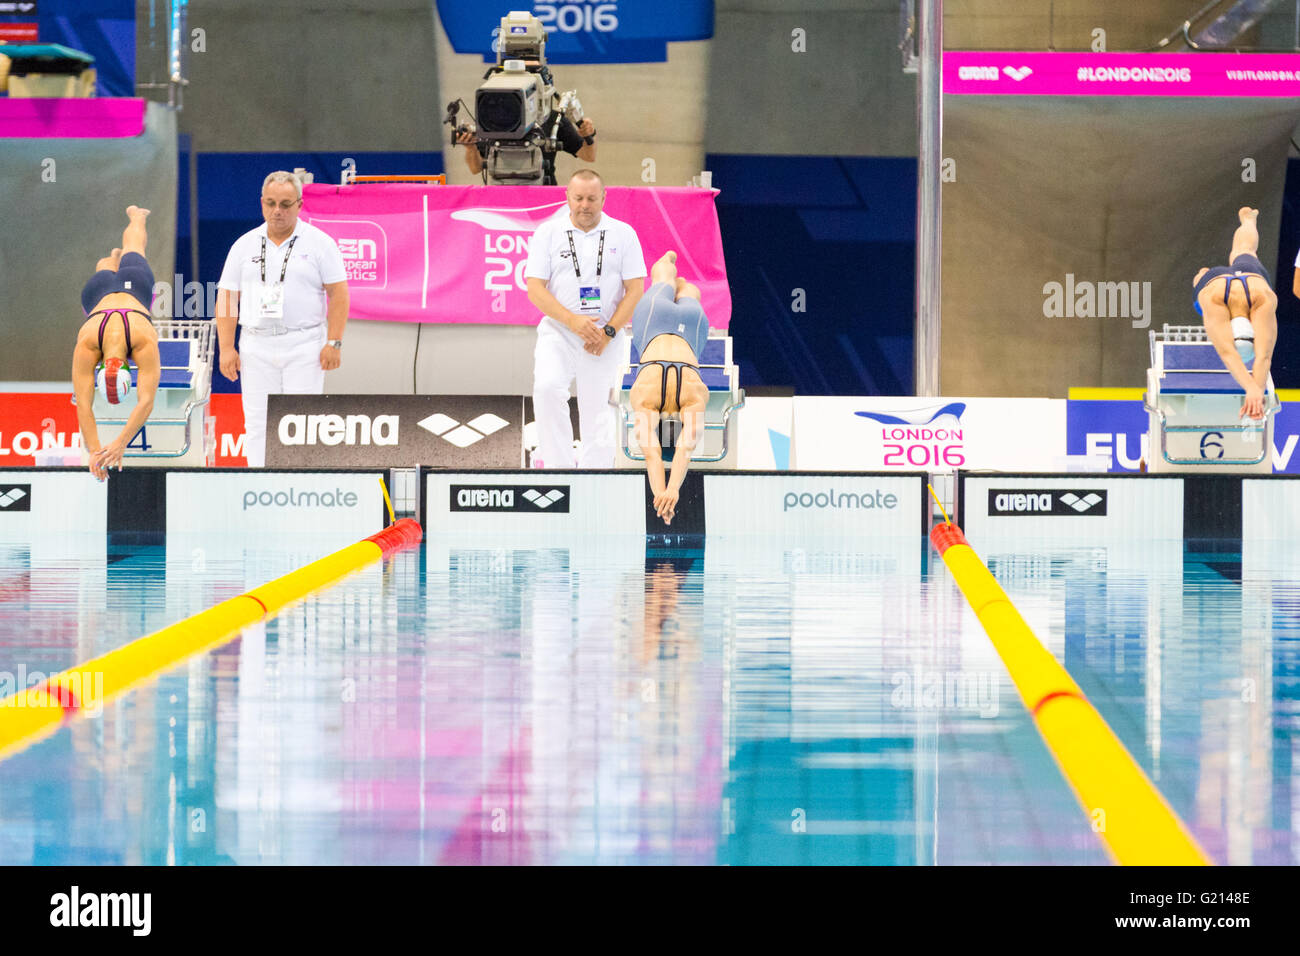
[(748, 701)]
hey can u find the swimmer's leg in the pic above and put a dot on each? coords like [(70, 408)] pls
[(134, 236), (1245, 241), (109, 262), (687, 290), (665, 269)]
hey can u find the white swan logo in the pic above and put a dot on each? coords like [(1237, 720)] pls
[(509, 220)]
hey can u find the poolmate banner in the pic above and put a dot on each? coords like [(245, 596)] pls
[(584, 31), (1118, 430), (932, 434), (266, 502), (853, 507), (47, 503), (444, 431)]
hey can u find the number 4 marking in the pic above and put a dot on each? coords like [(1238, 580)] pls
[(142, 439)]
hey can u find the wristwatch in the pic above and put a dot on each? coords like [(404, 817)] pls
[(610, 331), (335, 343)]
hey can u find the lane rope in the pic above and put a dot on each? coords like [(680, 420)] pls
[(1134, 821), (32, 714)]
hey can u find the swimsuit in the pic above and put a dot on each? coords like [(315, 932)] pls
[(133, 276), (1244, 263)]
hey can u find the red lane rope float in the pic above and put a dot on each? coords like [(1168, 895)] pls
[(30, 715), (1127, 812)]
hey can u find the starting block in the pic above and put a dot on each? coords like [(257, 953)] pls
[(1194, 409), (179, 430), (717, 447)]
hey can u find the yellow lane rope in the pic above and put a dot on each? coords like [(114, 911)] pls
[(1127, 812), (35, 713)]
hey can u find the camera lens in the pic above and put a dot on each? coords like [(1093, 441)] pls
[(499, 111)]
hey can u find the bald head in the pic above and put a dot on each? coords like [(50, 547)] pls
[(586, 198)]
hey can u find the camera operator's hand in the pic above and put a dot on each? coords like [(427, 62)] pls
[(593, 339), (473, 159), (586, 128)]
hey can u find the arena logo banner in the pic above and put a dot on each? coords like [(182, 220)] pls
[(456, 254), (256, 502), (44, 504), (553, 502), (1096, 509), (1118, 428), (585, 31), (1049, 501), (456, 431), (532, 498), (910, 434), (987, 73)]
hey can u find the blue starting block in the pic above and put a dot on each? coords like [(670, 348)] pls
[(1194, 409), (718, 446), (179, 430)]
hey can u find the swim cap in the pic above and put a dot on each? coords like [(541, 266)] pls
[(114, 380)]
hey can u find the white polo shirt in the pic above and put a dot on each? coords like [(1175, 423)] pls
[(314, 263), (618, 259)]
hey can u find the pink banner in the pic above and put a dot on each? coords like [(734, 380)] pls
[(417, 253), (71, 118), (1121, 74)]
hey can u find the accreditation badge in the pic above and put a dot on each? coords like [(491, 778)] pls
[(589, 298), (270, 300)]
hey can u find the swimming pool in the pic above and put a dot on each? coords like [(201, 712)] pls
[(747, 701)]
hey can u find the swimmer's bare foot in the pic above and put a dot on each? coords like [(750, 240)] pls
[(664, 269), (134, 212), (1245, 212)]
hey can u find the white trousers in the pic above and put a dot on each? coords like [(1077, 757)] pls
[(558, 359), (286, 364)]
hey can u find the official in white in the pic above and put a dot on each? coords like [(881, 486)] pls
[(285, 284), (586, 272)]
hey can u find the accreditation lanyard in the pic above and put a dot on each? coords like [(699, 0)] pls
[(600, 255), (284, 267)]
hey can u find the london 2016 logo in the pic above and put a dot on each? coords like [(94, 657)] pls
[(925, 437)]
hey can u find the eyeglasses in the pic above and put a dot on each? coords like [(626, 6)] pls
[(285, 205)]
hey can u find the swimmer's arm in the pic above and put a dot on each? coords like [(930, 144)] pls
[(692, 424), (632, 291), (83, 387), (146, 390), (1220, 333), (1295, 283), (647, 421)]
